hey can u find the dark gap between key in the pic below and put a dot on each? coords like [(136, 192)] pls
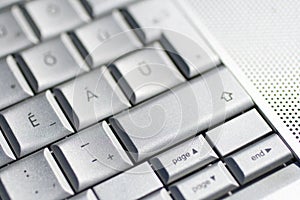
[(80, 47), (87, 7), (31, 22)]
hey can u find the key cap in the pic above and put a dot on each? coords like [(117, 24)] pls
[(106, 39), (132, 184), (146, 73), (187, 47), (279, 185), (13, 86), (161, 194), (181, 113), (86, 195), (193, 57), (183, 159), (52, 17), (34, 123), (210, 183), (258, 159), (6, 155), (184, 44), (91, 98), (34, 177), (51, 63), (238, 132), (102, 7), (91, 156), (155, 17), (15, 32)]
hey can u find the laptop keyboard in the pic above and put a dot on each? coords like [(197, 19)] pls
[(124, 100)]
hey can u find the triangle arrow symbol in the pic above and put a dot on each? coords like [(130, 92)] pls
[(268, 150), (213, 178), (195, 151)]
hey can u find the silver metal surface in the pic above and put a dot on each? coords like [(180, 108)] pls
[(146, 73), (50, 63), (210, 183), (189, 49), (280, 185), (6, 154), (238, 132), (34, 177), (53, 17), (86, 195), (180, 113), (132, 184), (107, 39), (15, 33), (34, 123), (258, 41), (91, 156), (91, 97), (102, 7), (183, 159), (13, 86), (161, 194), (258, 159)]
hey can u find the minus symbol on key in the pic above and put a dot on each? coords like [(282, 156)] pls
[(52, 124), (84, 145)]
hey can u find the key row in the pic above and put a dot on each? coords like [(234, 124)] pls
[(141, 74), (103, 45), (213, 181), (57, 60), (246, 165), (101, 154), (39, 177), (175, 115)]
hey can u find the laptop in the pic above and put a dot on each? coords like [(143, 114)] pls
[(149, 99)]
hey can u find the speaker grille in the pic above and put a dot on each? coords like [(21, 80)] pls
[(263, 38)]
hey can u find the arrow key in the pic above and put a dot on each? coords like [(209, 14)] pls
[(183, 159), (258, 159), (210, 183)]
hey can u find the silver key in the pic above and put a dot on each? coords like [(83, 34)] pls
[(161, 194), (106, 39), (51, 63), (102, 7), (180, 113), (13, 86), (53, 17), (190, 51), (91, 156), (132, 184), (15, 32), (258, 159), (155, 16), (86, 195), (6, 155), (183, 159), (238, 132), (146, 73), (34, 123), (34, 177), (279, 185), (91, 98), (210, 183)]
